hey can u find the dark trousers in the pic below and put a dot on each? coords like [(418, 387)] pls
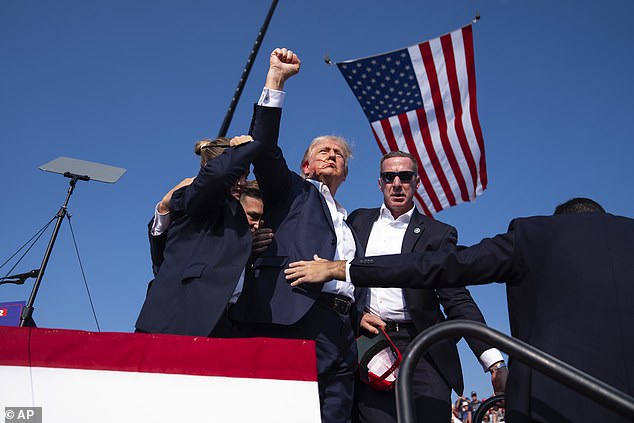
[(336, 356), (431, 391)]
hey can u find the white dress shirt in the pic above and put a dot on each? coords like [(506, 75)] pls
[(386, 237)]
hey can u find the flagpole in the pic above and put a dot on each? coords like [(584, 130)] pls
[(245, 73)]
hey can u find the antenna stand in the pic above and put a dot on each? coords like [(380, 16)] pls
[(27, 311)]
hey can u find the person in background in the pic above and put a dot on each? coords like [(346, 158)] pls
[(454, 414), (474, 403), (464, 414)]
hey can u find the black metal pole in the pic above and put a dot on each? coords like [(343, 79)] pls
[(27, 311), (544, 363), (245, 73)]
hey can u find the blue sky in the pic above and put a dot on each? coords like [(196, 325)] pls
[(135, 84)]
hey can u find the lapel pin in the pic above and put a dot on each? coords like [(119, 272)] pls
[(416, 230)]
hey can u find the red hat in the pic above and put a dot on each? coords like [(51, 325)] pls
[(378, 361)]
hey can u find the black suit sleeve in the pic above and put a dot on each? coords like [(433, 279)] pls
[(493, 259), (265, 126), (212, 185), (270, 168)]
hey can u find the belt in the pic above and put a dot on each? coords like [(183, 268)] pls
[(396, 326), (337, 303)]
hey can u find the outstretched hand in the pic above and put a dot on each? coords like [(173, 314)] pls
[(317, 271), (283, 64)]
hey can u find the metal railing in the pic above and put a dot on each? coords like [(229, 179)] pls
[(546, 364)]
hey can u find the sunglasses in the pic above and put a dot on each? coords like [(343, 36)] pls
[(405, 177)]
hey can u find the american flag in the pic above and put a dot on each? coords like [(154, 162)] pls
[(422, 99)]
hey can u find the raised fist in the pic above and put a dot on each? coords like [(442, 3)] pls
[(283, 64)]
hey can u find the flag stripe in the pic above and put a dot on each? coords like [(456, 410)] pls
[(378, 141), (448, 52), (426, 164), (411, 147), (432, 77), (435, 161), (467, 36), (446, 94), (389, 135), (423, 205), (465, 118), (430, 131)]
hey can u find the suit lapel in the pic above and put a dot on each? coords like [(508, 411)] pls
[(324, 207), (413, 233)]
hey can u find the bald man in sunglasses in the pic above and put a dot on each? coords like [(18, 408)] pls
[(397, 227)]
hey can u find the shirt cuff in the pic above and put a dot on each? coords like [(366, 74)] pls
[(348, 278), (489, 357), (160, 222), (271, 98)]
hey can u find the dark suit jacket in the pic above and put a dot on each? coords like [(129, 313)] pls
[(301, 221), (426, 234), (207, 245), (570, 288)]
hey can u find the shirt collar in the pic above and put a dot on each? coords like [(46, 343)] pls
[(325, 191), (386, 214)]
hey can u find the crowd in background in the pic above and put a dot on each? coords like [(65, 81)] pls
[(464, 410)]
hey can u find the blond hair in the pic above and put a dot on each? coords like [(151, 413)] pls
[(209, 149)]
